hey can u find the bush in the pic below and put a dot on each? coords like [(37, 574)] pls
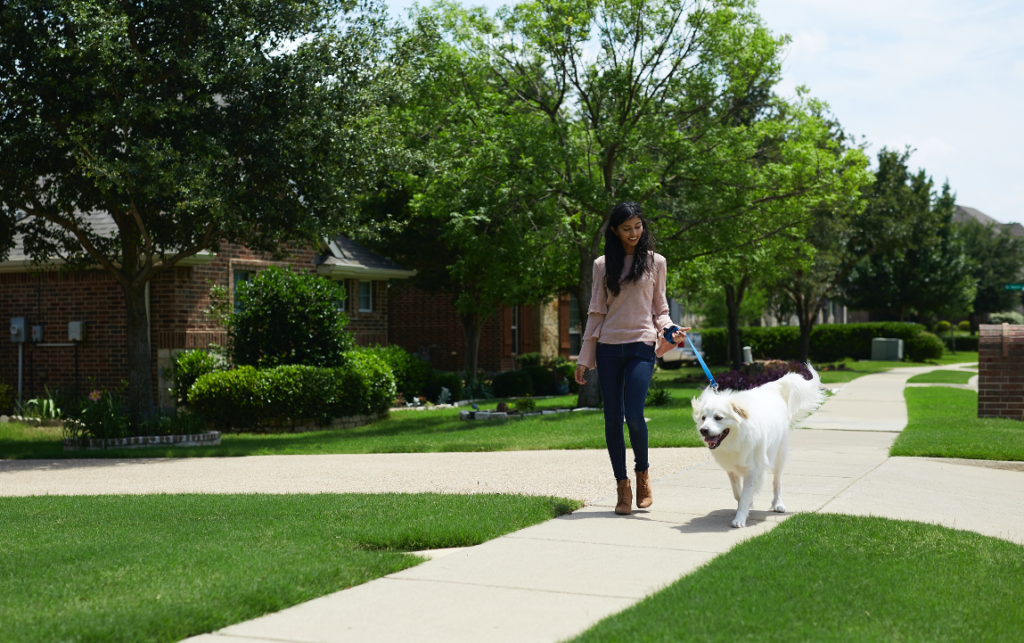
[(829, 342), (962, 343), (528, 359), (442, 379), (188, 367), (7, 400), (942, 327), (740, 381), (287, 318), (248, 397), (526, 405), (411, 373), (543, 379), (1007, 317), (923, 346), (512, 384), (965, 326)]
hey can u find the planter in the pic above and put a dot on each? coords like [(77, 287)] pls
[(210, 438)]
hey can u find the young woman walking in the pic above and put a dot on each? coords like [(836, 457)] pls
[(627, 328)]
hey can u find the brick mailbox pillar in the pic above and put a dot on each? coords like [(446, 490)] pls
[(1001, 371)]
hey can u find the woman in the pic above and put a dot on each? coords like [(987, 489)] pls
[(627, 319)]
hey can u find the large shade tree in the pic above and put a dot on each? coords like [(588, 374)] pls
[(997, 259), (188, 123)]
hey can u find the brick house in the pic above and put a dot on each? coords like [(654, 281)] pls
[(51, 298)]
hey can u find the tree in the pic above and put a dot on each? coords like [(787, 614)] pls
[(638, 100), (997, 258), (931, 274), (188, 124)]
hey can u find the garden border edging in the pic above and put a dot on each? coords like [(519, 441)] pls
[(210, 438)]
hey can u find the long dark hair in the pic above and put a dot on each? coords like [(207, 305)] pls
[(615, 254)]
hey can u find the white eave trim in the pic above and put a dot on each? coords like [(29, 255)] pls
[(362, 272)]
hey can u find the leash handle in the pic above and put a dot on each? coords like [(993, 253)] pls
[(707, 371)]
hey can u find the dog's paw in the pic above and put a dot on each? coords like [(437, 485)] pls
[(779, 508), (739, 522)]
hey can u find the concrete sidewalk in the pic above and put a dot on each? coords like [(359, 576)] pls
[(554, 580)]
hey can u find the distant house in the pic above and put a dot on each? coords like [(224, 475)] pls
[(964, 214), (51, 298)]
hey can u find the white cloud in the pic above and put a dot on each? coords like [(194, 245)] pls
[(1018, 70)]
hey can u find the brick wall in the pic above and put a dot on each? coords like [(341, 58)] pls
[(1001, 371), (369, 328)]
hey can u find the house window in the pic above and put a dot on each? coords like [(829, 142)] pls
[(366, 296), (575, 330), (239, 277), (515, 330)]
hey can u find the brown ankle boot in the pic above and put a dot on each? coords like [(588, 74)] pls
[(643, 489), (623, 508)]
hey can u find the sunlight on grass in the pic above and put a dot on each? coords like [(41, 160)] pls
[(944, 423), (942, 377)]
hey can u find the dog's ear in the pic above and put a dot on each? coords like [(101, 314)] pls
[(740, 411)]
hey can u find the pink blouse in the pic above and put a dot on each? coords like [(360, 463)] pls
[(638, 314)]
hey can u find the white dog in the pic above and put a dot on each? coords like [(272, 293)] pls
[(748, 432)]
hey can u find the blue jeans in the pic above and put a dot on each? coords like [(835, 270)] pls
[(624, 372)]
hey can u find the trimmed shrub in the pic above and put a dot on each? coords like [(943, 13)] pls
[(942, 327), (248, 397), (443, 379), (411, 373), (528, 359), (829, 342), (289, 318), (188, 367), (962, 343), (1007, 317), (965, 326), (543, 379), (923, 346), (512, 384)]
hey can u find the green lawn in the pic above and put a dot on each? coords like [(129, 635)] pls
[(403, 432), (942, 377), (826, 577), (161, 568), (944, 423)]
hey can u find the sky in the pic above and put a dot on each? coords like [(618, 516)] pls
[(944, 77)]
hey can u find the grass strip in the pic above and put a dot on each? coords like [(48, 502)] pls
[(164, 567), (826, 577), (944, 423), (942, 377)]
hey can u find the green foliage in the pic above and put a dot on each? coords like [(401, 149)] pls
[(997, 256), (543, 379), (528, 359), (942, 327), (412, 375), (44, 408), (1006, 317), (103, 416), (965, 325), (829, 342), (188, 367), (923, 346), (253, 398), (963, 343), (443, 379), (657, 396), (186, 125), (512, 384), (285, 318), (526, 405), (7, 399)]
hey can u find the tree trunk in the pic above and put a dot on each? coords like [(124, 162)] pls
[(733, 298), (807, 311), (952, 339), (472, 327), (140, 362), (590, 393)]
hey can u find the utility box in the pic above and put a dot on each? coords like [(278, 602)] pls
[(76, 331), (37, 333), (19, 329), (886, 349)]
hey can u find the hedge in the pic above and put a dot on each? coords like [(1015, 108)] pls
[(412, 375), (923, 346), (512, 384), (968, 343), (829, 342), (248, 397), (543, 379)]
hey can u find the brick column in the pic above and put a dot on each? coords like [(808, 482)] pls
[(1001, 371)]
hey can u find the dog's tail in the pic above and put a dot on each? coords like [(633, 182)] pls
[(802, 396)]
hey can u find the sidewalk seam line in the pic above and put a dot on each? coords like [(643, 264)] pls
[(521, 589), (844, 489)]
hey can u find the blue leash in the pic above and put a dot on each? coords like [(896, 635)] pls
[(711, 378)]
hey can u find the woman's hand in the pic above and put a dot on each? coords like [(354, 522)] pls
[(580, 371), (679, 336)]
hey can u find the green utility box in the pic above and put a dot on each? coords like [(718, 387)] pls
[(886, 349)]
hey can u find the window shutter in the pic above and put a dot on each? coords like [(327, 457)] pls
[(563, 325), (526, 342), (506, 331)]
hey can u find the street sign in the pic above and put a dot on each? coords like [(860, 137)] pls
[(1013, 287)]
